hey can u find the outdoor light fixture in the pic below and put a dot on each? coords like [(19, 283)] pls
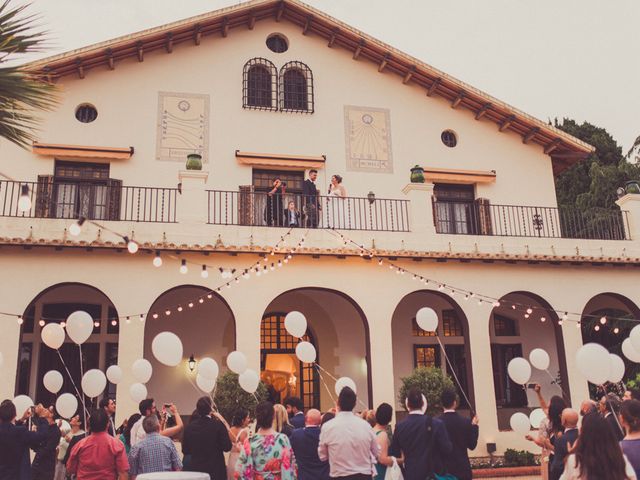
[(491, 448), (371, 197), (192, 363), (24, 202)]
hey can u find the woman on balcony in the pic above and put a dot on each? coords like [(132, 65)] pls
[(336, 204), (274, 209)]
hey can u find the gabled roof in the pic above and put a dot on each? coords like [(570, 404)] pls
[(563, 148)]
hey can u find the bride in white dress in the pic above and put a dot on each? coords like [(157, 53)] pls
[(337, 205)]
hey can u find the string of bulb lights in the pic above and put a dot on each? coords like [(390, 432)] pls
[(482, 299)]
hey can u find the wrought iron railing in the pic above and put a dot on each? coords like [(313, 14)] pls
[(480, 218), (68, 200), (348, 213)]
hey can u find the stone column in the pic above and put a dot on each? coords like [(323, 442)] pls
[(381, 352), (192, 202), (630, 203), (420, 198)]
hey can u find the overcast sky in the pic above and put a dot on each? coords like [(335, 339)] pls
[(575, 58)]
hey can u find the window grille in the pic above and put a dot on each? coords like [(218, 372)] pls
[(451, 325), (86, 113), (259, 88), (277, 43), (449, 138), (296, 88), (426, 356), (504, 326), (416, 331)]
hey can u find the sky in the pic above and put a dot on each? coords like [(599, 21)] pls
[(549, 58)]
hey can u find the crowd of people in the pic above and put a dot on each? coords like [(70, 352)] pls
[(600, 441), (309, 209), (284, 443)]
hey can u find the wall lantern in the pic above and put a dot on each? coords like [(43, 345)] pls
[(192, 363), (371, 197)]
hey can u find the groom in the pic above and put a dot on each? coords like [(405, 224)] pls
[(311, 200)]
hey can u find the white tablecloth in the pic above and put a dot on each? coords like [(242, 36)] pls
[(174, 476)]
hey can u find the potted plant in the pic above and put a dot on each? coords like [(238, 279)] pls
[(417, 174), (431, 382), (194, 161)]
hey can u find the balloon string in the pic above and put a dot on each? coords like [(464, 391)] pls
[(613, 410), (71, 378), (335, 379), (444, 352), (564, 394), (84, 405), (325, 385)]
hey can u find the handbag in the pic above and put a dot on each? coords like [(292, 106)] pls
[(393, 472)]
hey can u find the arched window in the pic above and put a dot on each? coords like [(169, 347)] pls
[(296, 88), (259, 85)]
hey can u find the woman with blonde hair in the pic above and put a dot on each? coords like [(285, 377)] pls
[(281, 420)]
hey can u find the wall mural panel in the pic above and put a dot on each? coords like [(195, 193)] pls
[(368, 139), (183, 126)]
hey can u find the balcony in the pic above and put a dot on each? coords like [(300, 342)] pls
[(480, 218), (249, 208), (111, 201)]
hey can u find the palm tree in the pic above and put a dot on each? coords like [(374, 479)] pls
[(22, 93)]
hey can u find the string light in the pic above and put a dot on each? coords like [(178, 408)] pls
[(543, 319), (131, 245), (76, 227), (167, 312), (603, 320), (529, 310), (596, 328), (41, 323), (114, 322), (616, 330), (201, 300), (96, 324), (157, 260), (204, 273), (155, 315), (183, 267), (179, 308), (20, 320), (190, 305)]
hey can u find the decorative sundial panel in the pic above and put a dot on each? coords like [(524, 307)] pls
[(368, 139), (183, 126)]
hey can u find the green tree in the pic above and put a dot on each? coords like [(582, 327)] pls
[(22, 93), (229, 396), (431, 381)]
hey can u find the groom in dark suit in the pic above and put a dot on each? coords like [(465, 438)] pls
[(311, 200), (413, 434), (463, 433)]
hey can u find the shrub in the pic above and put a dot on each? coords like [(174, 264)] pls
[(229, 396), (431, 381), (518, 458)]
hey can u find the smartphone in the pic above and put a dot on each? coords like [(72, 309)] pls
[(531, 385)]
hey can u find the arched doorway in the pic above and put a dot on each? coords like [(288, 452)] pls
[(606, 320), (525, 321), (337, 327), (55, 304), (207, 329), (281, 370), (413, 347)]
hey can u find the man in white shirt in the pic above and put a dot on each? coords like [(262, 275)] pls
[(147, 407), (348, 442)]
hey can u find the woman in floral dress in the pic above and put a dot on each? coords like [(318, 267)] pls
[(267, 455)]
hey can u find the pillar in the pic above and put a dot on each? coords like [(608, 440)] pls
[(630, 206), (192, 201)]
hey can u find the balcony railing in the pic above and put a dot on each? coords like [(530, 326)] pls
[(477, 218), (52, 199), (349, 213)]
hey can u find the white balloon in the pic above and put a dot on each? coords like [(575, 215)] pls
[(616, 368), (520, 423), (79, 326), (249, 381), (167, 348), (296, 324), (536, 416), (208, 368), (52, 335), (114, 374), (634, 336), (93, 383), (519, 370), (53, 381), (142, 370), (22, 403), (427, 319), (66, 405), (205, 384), (237, 362), (592, 360), (306, 352), (137, 392), (629, 351), (345, 382), (539, 358)]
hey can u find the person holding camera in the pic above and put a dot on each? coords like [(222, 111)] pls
[(206, 439)]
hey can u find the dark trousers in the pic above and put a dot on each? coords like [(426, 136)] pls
[(357, 476), (312, 222)]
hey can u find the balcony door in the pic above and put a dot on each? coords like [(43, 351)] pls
[(455, 208), (271, 211)]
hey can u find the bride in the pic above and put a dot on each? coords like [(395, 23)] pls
[(337, 216)]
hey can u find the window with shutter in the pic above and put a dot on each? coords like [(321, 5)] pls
[(44, 193)]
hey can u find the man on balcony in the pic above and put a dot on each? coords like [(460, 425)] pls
[(311, 200)]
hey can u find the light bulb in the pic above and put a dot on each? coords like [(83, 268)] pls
[(204, 273), (128, 320), (155, 315), (63, 324), (190, 305), (96, 324), (543, 319), (74, 229), (201, 300), (20, 321), (167, 312), (114, 323), (183, 267), (529, 311), (24, 202), (41, 323), (496, 304), (596, 328), (157, 260), (179, 308), (616, 330), (132, 246), (603, 320)]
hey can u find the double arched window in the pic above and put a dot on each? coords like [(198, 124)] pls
[(262, 90), (259, 87)]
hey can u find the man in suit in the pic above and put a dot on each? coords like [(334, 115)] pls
[(564, 443), (609, 408), (295, 409), (205, 439), (463, 434), (304, 442), (414, 433), (109, 407), (311, 200)]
